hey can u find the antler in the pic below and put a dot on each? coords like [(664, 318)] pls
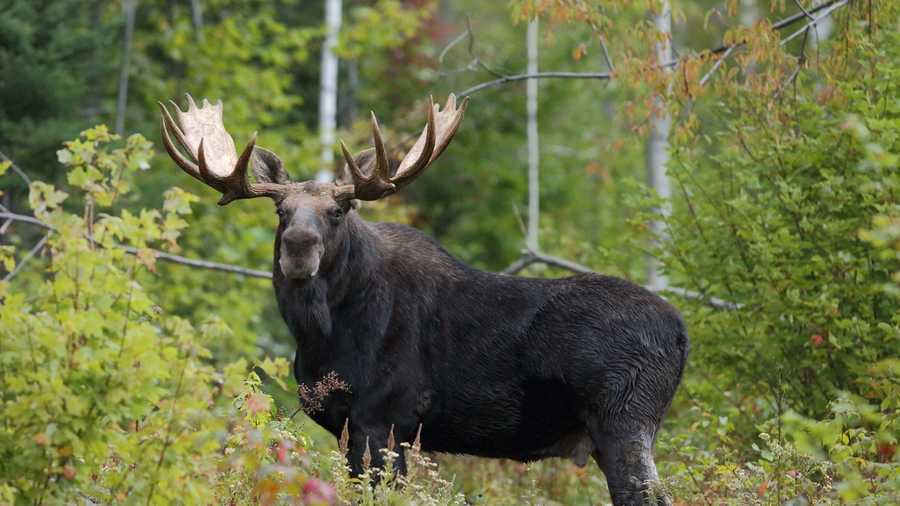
[(212, 157), (439, 130)]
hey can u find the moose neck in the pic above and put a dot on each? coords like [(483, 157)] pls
[(345, 278)]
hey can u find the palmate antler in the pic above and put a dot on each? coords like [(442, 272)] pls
[(373, 181), (212, 157)]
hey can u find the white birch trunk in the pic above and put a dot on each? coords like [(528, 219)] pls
[(329, 88), (533, 141), (658, 146), (749, 12), (823, 30)]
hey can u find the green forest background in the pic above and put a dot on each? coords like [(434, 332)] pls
[(126, 378)]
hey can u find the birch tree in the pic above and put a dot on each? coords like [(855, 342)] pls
[(329, 87), (658, 144), (533, 140)]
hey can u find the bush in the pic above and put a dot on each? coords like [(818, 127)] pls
[(794, 394), (106, 398), (772, 220)]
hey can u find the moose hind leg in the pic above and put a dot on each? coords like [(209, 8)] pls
[(626, 458)]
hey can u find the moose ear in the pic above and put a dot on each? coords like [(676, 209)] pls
[(267, 167), (364, 160)]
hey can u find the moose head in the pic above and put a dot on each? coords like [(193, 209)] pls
[(311, 213)]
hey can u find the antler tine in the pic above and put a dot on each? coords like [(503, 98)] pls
[(167, 123), (376, 182), (374, 186), (212, 158), (456, 114), (235, 185), (192, 106), (407, 174), (382, 168), (451, 102), (174, 125), (238, 178), (355, 172)]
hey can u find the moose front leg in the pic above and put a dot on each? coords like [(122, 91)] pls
[(366, 445), (382, 417)]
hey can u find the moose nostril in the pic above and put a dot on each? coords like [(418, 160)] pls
[(300, 241)]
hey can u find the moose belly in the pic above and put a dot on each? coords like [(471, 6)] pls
[(522, 421)]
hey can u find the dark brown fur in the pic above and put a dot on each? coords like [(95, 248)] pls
[(487, 364)]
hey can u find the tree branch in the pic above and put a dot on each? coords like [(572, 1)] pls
[(718, 64), (831, 8), (805, 12), (527, 258), (536, 75), (32, 252), (725, 48), (159, 255), (534, 257), (609, 63), (21, 173)]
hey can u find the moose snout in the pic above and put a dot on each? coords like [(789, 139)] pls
[(300, 242), (301, 252)]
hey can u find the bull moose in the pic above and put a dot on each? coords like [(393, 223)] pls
[(475, 362)]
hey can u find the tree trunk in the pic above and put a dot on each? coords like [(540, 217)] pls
[(749, 12), (823, 30), (329, 88), (129, 7), (658, 146), (197, 18), (533, 140)]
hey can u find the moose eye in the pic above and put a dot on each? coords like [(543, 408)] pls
[(280, 212)]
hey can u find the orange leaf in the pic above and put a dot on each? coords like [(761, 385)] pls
[(579, 52)]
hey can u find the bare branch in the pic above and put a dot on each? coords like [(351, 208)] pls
[(520, 264), (32, 252), (788, 21), (827, 12), (25, 219), (6, 223), (203, 264), (609, 62), (800, 63), (474, 61), (713, 302), (718, 64), (159, 255), (805, 12), (527, 258), (828, 7), (21, 173), (533, 257), (456, 40), (536, 75)]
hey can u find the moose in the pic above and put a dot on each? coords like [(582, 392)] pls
[(469, 362)]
